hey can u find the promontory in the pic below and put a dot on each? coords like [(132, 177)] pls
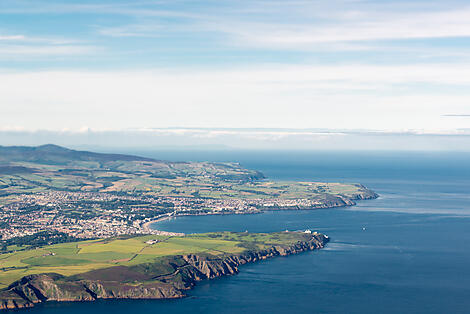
[(137, 267)]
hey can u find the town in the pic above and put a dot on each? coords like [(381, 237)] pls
[(51, 194), (86, 215)]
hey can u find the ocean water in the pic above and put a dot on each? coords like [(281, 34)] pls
[(406, 252)]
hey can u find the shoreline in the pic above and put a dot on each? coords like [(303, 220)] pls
[(194, 267), (146, 225)]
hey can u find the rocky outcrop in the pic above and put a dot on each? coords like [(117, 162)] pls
[(167, 278), (363, 193)]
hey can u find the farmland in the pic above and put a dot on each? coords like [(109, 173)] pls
[(69, 259), (85, 195)]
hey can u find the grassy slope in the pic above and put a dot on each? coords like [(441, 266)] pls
[(80, 257), (178, 186), (52, 168)]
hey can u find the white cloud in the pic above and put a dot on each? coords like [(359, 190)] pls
[(381, 97), (292, 25), (16, 51), (362, 26), (137, 30), (130, 8), (12, 37), (350, 97), (304, 25), (19, 46), (278, 139)]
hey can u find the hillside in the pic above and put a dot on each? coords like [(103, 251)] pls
[(83, 167), (151, 267), (56, 154)]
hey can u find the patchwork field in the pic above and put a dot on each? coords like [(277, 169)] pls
[(79, 257), (46, 168)]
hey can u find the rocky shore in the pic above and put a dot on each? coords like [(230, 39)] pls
[(168, 277)]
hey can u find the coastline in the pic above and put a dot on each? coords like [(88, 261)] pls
[(146, 225), (148, 281), (193, 268)]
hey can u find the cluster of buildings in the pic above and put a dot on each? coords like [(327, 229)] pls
[(90, 215)]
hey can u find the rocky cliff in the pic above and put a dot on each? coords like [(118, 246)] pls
[(167, 277)]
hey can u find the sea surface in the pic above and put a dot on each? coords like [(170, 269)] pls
[(406, 252)]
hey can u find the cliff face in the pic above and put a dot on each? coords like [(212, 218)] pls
[(166, 278)]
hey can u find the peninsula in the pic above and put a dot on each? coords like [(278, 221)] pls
[(137, 267)]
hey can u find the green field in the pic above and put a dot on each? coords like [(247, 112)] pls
[(79, 257), (29, 170), (178, 186)]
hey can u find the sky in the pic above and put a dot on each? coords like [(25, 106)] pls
[(336, 67)]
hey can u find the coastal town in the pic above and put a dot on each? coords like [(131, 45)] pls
[(51, 194), (92, 214)]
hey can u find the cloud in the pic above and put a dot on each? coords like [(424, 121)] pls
[(19, 46), (17, 51), (229, 139), (124, 8), (338, 25), (334, 93), (363, 26), (138, 30), (279, 134), (353, 96), (11, 37), (303, 25)]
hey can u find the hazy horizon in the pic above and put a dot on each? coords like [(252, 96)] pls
[(243, 139)]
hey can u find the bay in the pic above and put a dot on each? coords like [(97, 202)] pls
[(407, 251)]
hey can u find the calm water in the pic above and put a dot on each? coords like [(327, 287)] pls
[(413, 257)]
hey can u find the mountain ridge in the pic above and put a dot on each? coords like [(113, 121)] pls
[(56, 153)]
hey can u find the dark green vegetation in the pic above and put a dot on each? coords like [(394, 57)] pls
[(136, 267), (35, 240)]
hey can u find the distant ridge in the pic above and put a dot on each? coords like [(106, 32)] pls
[(59, 154)]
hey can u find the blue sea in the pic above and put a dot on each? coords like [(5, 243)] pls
[(406, 252)]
